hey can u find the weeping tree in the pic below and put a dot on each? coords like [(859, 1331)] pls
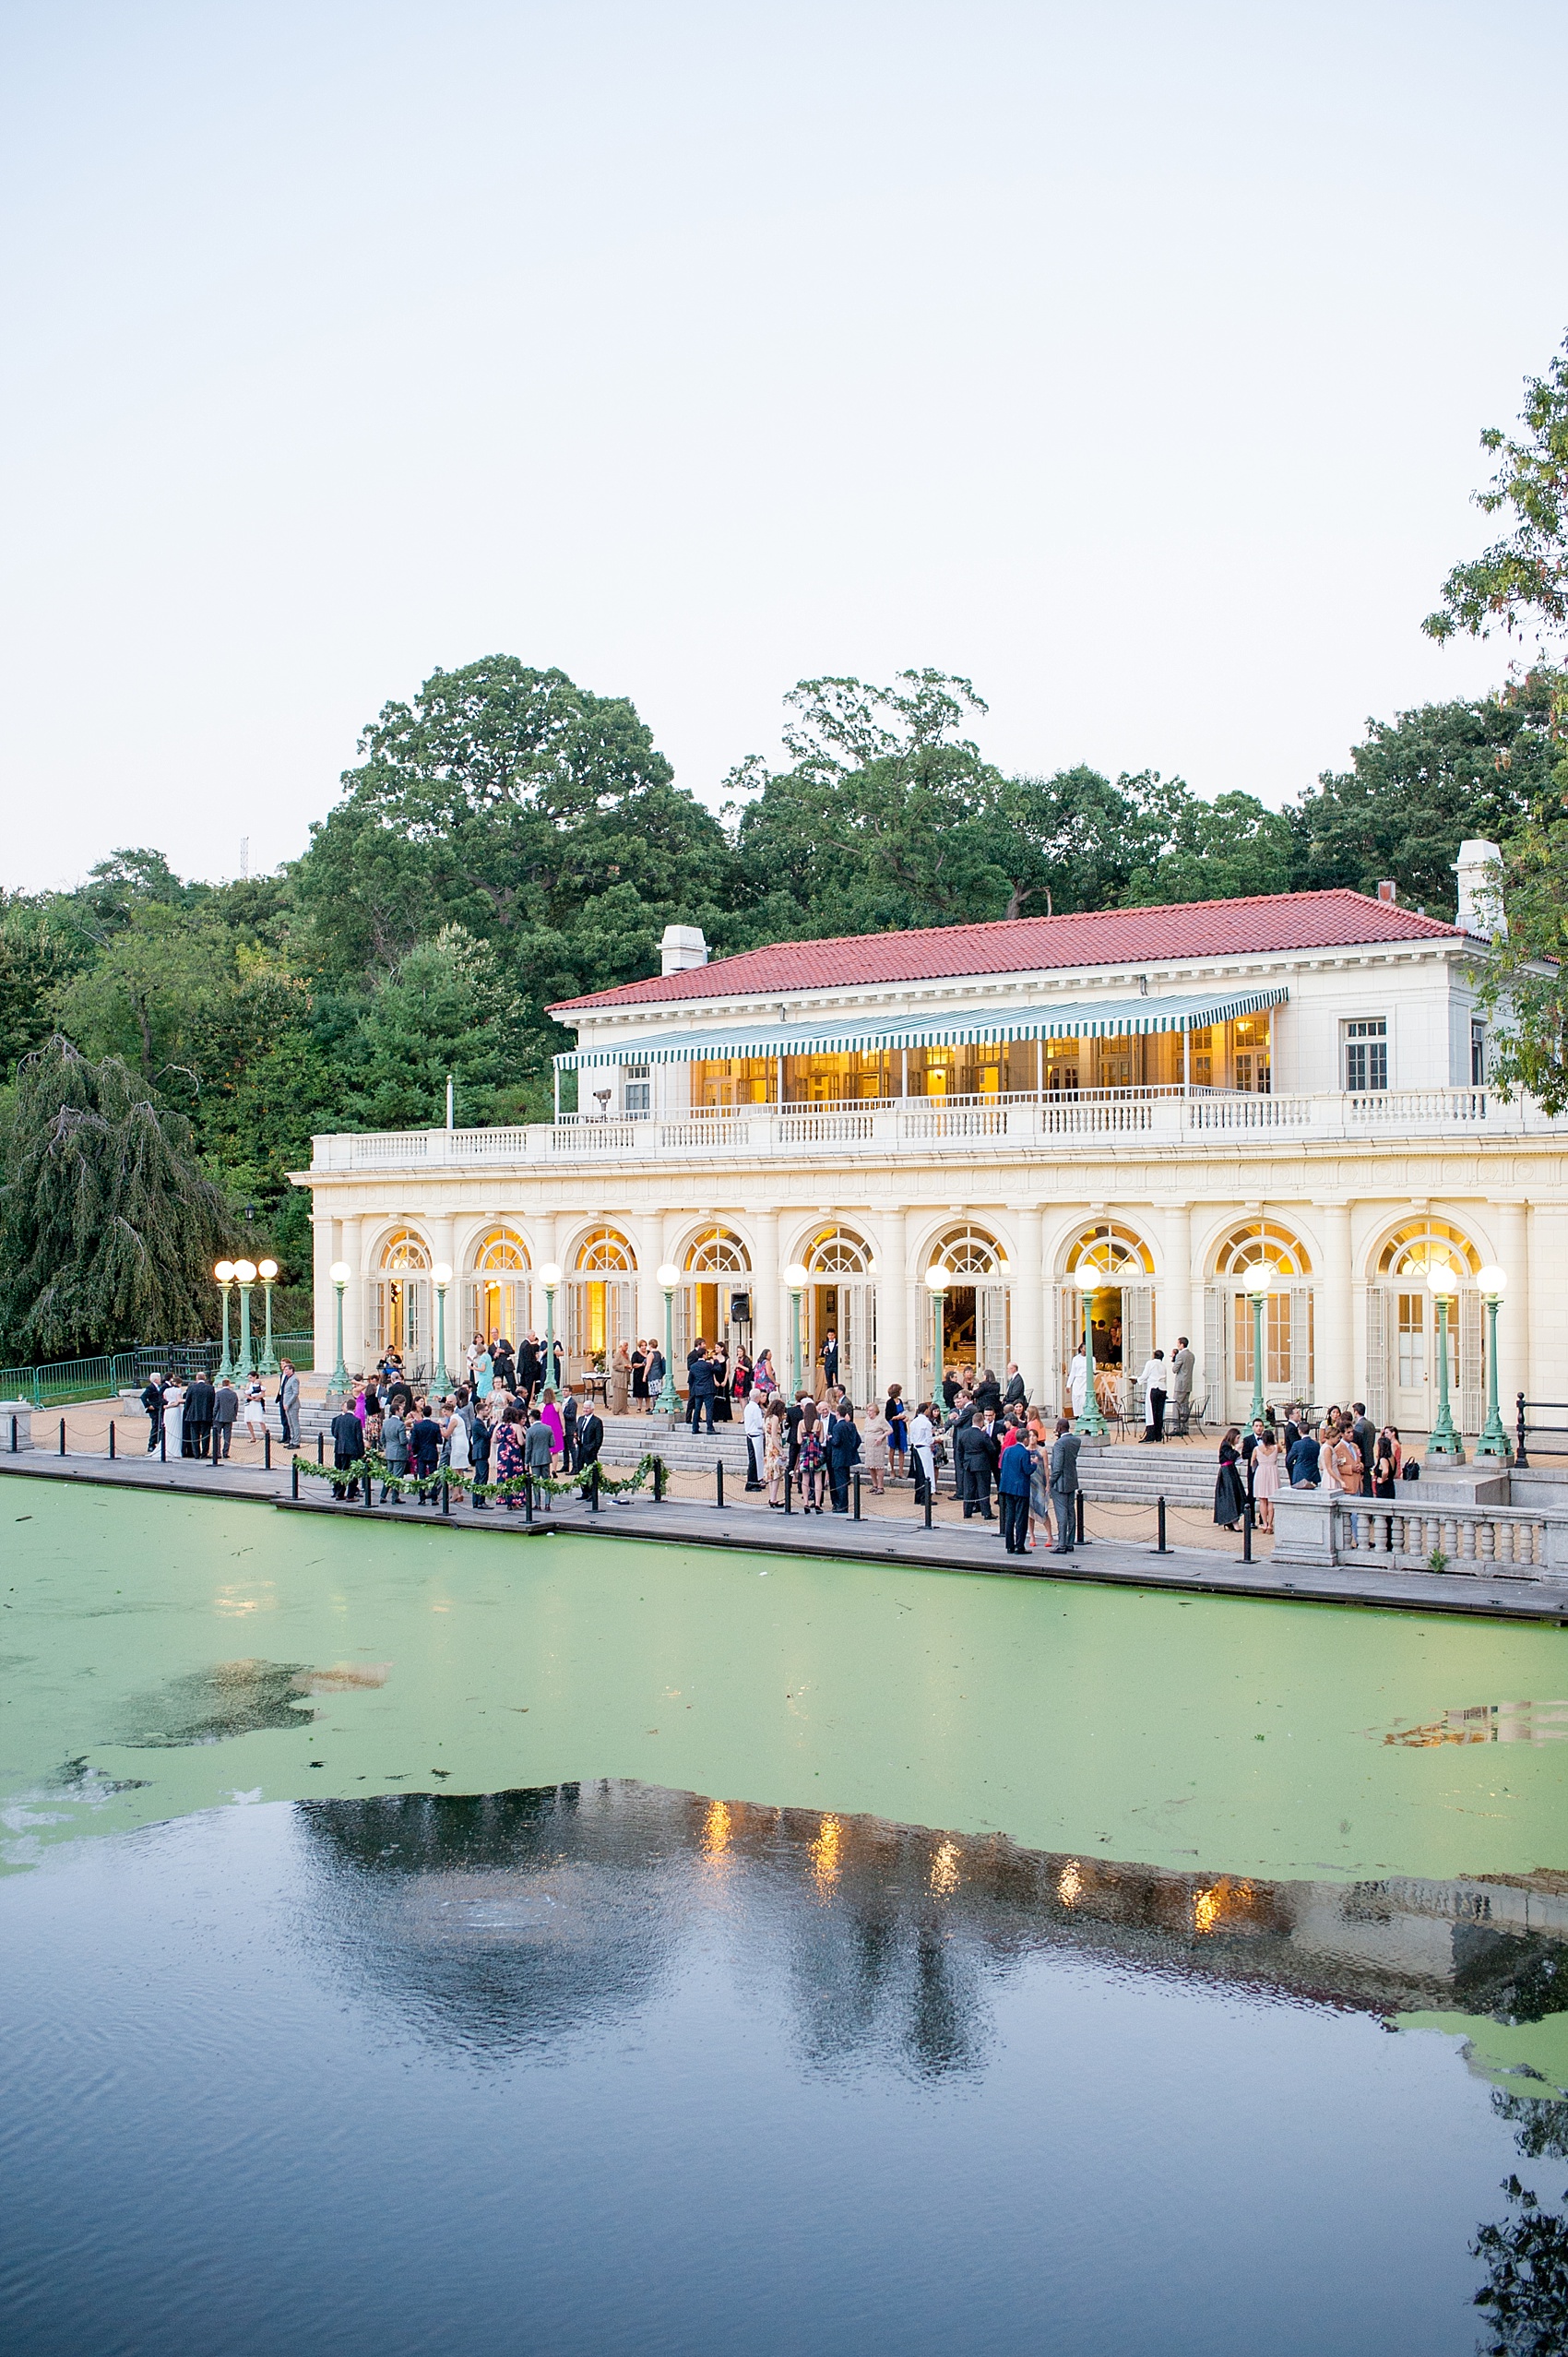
[(109, 1228)]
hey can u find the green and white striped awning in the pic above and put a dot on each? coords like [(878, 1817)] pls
[(1099, 1019)]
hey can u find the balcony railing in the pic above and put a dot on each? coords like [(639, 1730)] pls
[(894, 1125)]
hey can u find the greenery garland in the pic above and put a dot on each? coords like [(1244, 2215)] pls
[(374, 1468)]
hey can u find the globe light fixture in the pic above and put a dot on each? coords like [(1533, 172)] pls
[(669, 1397), (1444, 1444), (1493, 1442), (937, 1276)]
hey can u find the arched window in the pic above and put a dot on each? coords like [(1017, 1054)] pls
[(501, 1250), (1261, 1248), (717, 1253), (1414, 1248), (1118, 1255), (971, 1255), (404, 1256), (604, 1252), (839, 1251)]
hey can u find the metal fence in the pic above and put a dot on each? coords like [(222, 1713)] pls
[(74, 1379)]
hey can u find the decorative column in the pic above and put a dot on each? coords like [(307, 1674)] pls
[(1514, 1328), (1028, 1347), (323, 1252), (648, 1241), (1173, 1297), (1336, 1357), (543, 1227), (893, 1362), (765, 1287), (353, 1298)]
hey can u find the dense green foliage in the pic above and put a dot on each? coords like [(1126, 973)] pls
[(1520, 586), (507, 838)]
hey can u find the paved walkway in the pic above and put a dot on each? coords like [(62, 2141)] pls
[(950, 1545)]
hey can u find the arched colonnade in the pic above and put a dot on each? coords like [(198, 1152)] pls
[(1348, 1309)]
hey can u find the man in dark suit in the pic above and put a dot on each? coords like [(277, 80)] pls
[(571, 1433), (829, 1357), (225, 1407), (152, 1400), (1013, 1485), (424, 1450), (843, 1455), (529, 1372), (347, 1447), (980, 1453), (200, 1401), (700, 1387), (1064, 1486), (988, 1391), (591, 1440), (1014, 1396)]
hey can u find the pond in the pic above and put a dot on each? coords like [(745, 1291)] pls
[(415, 1941)]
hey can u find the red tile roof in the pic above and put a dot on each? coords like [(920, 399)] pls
[(1275, 921)]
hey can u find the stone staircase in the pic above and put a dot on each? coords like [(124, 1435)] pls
[(1130, 1473)]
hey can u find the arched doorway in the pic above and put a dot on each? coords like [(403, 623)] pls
[(1402, 1385), (1121, 1312), (1259, 1252), (841, 1301), (975, 1321), (402, 1302), (496, 1293), (715, 1302), (601, 1300)]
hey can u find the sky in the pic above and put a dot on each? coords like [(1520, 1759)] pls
[(1129, 359)]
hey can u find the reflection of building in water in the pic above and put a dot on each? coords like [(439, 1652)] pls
[(1490, 1722), (521, 1918)]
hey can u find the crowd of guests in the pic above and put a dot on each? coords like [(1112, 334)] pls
[(1339, 1452), (490, 1426), (196, 1416)]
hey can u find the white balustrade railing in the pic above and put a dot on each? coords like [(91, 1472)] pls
[(1433, 1535), (890, 1124)]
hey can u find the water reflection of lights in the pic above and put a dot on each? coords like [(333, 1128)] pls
[(1069, 1883), (824, 1852), (715, 1830), (1221, 1903), (944, 1870)]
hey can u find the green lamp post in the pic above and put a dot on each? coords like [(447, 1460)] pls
[(267, 1271), (797, 1276), (441, 1276), (550, 1277), (937, 1276), (1091, 1424), (1495, 1441), (339, 1273), (669, 1397), (245, 1274), (1258, 1296), (224, 1275), (1444, 1444)]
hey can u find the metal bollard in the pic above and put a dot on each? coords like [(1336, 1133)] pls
[(659, 1480), (1079, 1511), (267, 1448), (789, 1479), (162, 1442), (294, 1478), (112, 1440), (1162, 1549), (367, 1488), (527, 1501), (593, 1488), (719, 1485), (446, 1495), (16, 1440), (857, 1513), (321, 1448), (1247, 1531), (930, 1493), (1519, 1457), (62, 1435)]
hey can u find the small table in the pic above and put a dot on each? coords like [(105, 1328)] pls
[(596, 1387)]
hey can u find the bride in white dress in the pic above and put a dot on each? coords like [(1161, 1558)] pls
[(174, 1420)]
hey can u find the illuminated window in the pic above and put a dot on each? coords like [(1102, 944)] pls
[(837, 1252), (605, 1252), (1120, 1255), (1412, 1249), (405, 1255), (717, 1253)]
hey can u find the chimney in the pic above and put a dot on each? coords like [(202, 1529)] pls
[(1388, 893), (681, 948), (1480, 870)]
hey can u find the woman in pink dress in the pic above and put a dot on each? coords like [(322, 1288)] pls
[(550, 1415)]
